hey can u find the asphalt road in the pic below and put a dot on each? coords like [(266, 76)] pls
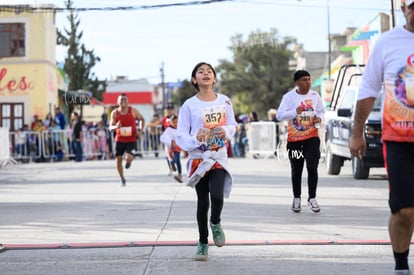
[(74, 218)]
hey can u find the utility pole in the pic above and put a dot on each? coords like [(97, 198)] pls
[(329, 41), (329, 37), (163, 88)]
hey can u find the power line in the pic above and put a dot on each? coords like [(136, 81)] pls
[(313, 4), (52, 8)]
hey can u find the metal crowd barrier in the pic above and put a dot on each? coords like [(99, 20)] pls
[(270, 139), (5, 157), (263, 135), (98, 143), (266, 139), (260, 139)]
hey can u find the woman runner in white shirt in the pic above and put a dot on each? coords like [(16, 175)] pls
[(206, 123)]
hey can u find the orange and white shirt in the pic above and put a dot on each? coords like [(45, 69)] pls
[(301, 126), (392, 63)]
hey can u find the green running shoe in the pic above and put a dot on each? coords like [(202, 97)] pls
[(202, 252), (218, 234)]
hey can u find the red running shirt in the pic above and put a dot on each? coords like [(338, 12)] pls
[(128, 130)]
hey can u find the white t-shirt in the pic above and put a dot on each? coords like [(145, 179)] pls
[(392, 63), (301, 127), (195, 114)]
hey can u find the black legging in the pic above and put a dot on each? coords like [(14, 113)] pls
[(213, 183), (299, 152)]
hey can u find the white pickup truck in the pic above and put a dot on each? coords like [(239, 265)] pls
[(339, 120)]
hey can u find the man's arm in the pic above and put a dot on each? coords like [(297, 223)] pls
[(286, 111), (113, 125), (153, 123), (357, 144)]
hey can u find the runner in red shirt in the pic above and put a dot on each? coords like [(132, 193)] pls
[(123, 122)]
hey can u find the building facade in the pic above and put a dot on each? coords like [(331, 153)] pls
[(28, 72), (141, 94), (352, 46)]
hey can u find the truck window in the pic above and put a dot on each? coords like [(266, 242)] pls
[(348, 99)]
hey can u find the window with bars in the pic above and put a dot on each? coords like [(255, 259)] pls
[(12, 40)]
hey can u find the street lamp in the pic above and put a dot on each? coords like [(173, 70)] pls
[(163, 88)]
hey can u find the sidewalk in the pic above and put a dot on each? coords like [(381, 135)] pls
[(51, 210)]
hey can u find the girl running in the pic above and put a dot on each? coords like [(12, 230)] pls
[(206, 123)]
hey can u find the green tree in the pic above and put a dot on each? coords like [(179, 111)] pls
[(79, 60), (183, 93), (259, 74)]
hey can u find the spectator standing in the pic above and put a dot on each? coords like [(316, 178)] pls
[(303, 109), (271, 115), (56, 133), (89, 140), (102, 134), (60, 118), (242, 134), (140, 139), (253, 117), (390, 69), (154, 128), (34, 121), (21, 141), (38, 130), (77, 136), (206, 122), (48, 120)]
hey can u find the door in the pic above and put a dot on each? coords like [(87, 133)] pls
[(345, 119)]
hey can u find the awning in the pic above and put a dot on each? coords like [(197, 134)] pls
[(347, 48), (138, 97), (364, 35)]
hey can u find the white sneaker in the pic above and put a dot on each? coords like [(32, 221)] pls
[(314, 205), (296, 205)]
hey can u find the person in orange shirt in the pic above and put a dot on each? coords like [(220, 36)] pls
[(303, 109), (389, 74)]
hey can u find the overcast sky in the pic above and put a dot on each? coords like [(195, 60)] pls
[(135, 43)]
